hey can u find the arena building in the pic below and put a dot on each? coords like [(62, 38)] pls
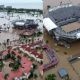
[(63, 23)]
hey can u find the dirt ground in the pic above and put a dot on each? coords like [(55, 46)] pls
[(71, 27), (63, 58)]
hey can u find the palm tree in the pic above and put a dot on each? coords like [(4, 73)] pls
[(51, 77)]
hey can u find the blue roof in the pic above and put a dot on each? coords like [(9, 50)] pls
[(63, 72)]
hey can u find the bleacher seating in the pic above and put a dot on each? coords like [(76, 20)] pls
[(52, 58), (67, 21), (65, 13), (63, 16)]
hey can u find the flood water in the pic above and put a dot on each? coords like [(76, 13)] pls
[(63, 58), (75, 46)]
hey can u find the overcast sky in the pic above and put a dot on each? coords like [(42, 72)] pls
[(19, 1), (23, 3)]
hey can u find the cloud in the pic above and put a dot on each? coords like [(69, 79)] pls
[(20, 1)]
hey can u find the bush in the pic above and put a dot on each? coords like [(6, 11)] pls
[(31, 74), (39, 33), (51, 77), (34, 66), (15, 67), (31, 58), (11, 64), (35, 76), (6, 75)]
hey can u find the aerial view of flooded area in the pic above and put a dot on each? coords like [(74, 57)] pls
[(62, 37), (21, 40)]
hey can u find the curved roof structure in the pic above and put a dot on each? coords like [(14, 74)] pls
[(49, 24), (64, 22)]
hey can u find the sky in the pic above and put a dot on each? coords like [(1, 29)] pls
[(19, 1), (23, 3)]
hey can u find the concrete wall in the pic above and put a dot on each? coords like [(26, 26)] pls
[(53, 3)]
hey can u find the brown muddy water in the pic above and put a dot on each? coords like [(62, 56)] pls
[(63, 58)]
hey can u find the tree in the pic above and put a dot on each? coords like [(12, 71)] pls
[(34, 66), (51, 77), (35, 76), (31, 58), (39, 33), (15, 67), (47, 41), (6, 75), (1, 65), (31, 74), (7, 57), (32, 39)]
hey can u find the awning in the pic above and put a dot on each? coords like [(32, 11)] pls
[(49, 24), (20, 23)]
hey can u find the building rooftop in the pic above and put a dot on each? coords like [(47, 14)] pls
[(63, 72)]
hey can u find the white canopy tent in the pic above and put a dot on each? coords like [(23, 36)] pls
[(49, 24), (20, 23)]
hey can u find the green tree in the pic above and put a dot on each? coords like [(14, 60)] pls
[(35, 76), (34, 66), (47, 41), (31, 74), (51, 77), (32, 39), (5, 76), (15, 67), (1, 65), (39, 33)]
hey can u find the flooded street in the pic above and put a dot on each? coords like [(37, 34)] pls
[(5, 35), (75, 46), (63, 58)]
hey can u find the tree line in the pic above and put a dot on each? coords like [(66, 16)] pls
[(21, 10)]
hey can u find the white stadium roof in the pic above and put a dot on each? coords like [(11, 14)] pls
[(49, 24)]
